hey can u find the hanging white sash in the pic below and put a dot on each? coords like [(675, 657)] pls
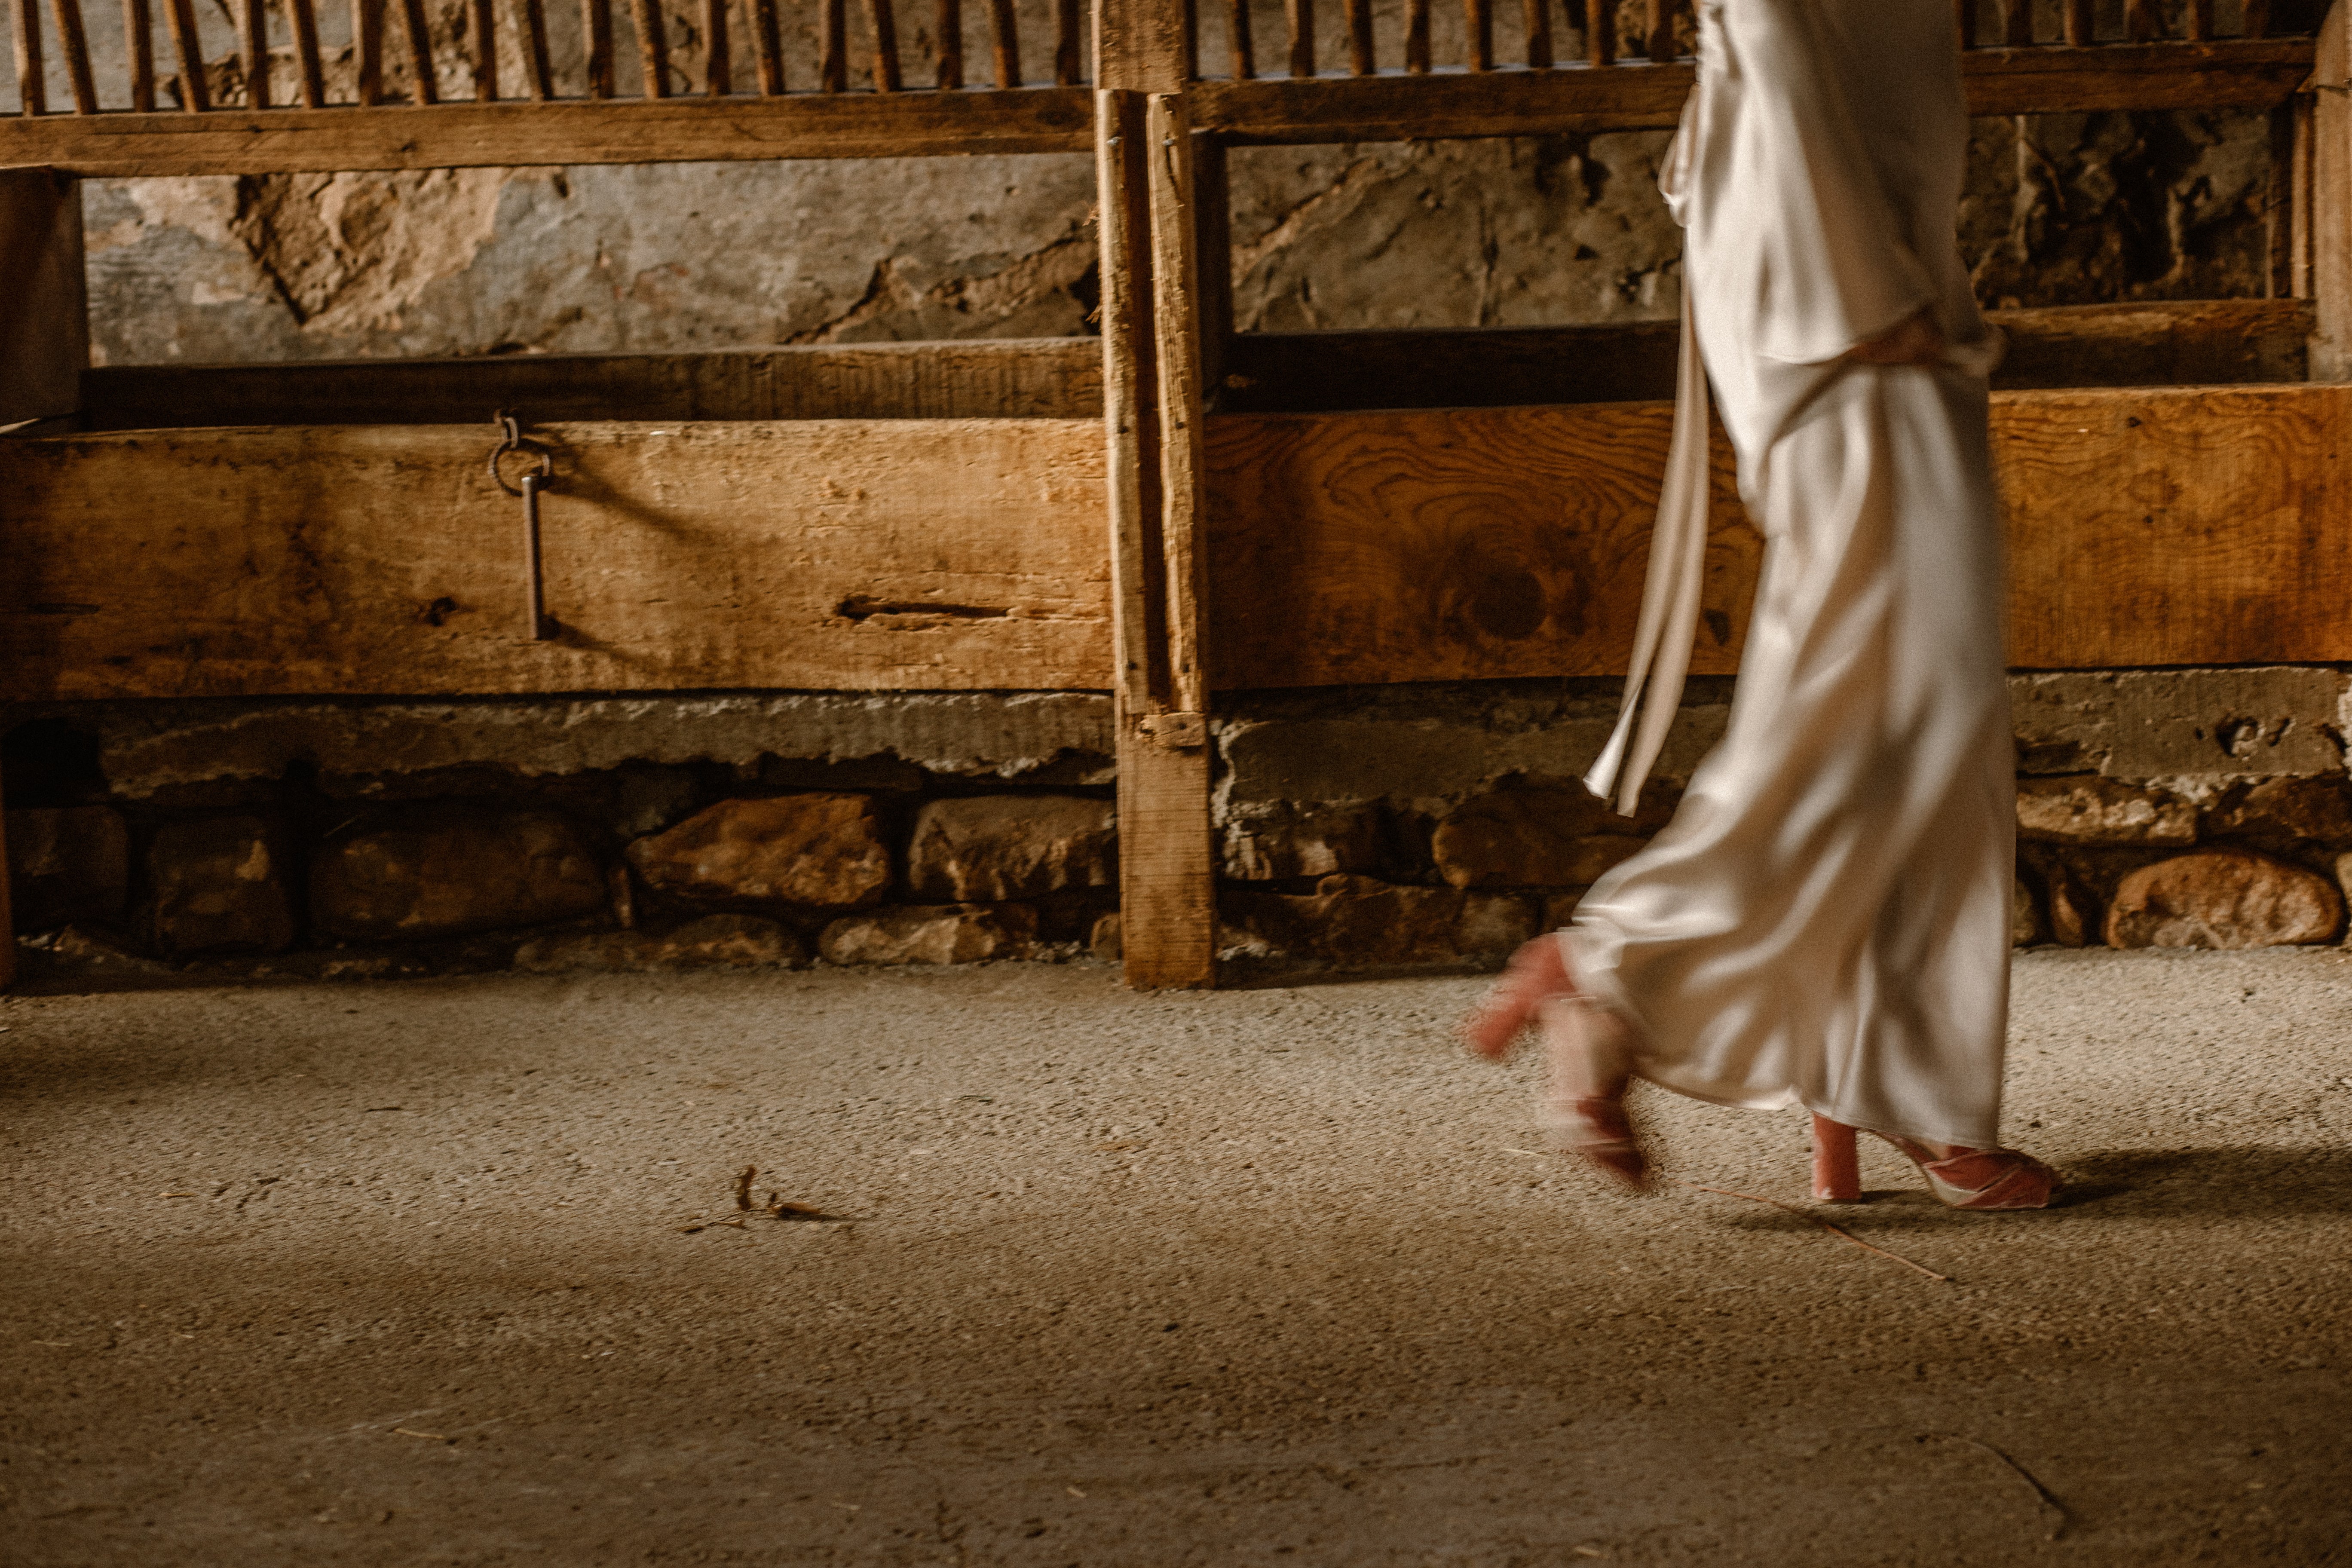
[(1662, 639)]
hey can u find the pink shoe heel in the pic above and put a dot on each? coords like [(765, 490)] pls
[(1837, 1163), (1537, 973), (1978, 1179)]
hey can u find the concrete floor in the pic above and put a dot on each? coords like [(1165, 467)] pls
[(396, 1274)]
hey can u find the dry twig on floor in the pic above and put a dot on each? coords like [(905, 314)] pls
[(2049, 1498), (1833, 1229)]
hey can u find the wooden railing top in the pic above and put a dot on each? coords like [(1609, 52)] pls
[(392, 103)]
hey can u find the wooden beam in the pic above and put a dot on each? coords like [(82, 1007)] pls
[(2147, 526), (1050, 378), (834, 554), (2222, 74), (580, 131), (2324, 162), (2160, 342), (44, 310)]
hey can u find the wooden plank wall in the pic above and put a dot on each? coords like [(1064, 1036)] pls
[(2149, 526), (906, 554)]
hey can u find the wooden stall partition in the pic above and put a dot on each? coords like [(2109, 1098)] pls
[(1151, 358)]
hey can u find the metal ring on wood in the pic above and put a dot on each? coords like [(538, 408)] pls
[(511, 439)]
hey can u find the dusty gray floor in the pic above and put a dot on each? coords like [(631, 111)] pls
[(395, 1274)]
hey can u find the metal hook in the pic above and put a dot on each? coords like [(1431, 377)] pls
[(511, 439)]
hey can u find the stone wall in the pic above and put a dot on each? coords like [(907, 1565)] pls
[(1362, 830)]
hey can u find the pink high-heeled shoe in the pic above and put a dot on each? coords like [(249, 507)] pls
[(1591, 1049), (1967, 1179)]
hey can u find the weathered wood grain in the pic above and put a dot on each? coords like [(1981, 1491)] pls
[(469, 136), (1053, 378), (1449, 545), (2324, 167), (2147, 526), (2196, 525), (948, 554)]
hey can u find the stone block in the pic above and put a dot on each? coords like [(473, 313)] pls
[(219, 885), (2086, 809), (1107, 941), (994, 847), (935, 934), (443, 872), (2313, 810), (1303, 840), (1528, 839), (714, 941), (67, 863), (1359, 924), (2073, 911), (2224, 898), (2182, 724), (2025, 924), (825, 851)]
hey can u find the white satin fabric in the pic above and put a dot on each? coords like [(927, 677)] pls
[(1825, 922)]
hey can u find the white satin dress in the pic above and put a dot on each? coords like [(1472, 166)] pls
[(1825, 922)]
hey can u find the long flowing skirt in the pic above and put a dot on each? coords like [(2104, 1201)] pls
[(1825, 922)]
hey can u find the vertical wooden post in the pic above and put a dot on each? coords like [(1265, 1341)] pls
[(43, 343), (2325, 216), (1152, 420)]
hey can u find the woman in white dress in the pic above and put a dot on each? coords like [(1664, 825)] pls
[(1825, 922)]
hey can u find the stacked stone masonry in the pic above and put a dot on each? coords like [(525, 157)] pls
[(1380, 828)]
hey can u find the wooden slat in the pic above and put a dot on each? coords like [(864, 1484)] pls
[(427, 87), (2141, 21), (2229, 73), (2325, 159), (2257, 14), (1176, 330), (73, 43), (2017, 23), (653, 47), (1601, 32), (1238, 39), (2146, 527), (253, 50), (949, 27), (596, 28), (305, 22), (2200, 19), (44, 315), (882, 27), (718, 52), (187, 53), (1362, 59), (1004, 43), (1070, 45), (367, 51), (2077, 23), (1538, 14), (537, 65), (32, 76), (833, 46), (1963, 21), (1300, 17), (1658, 35), (1053, 378), (466, 135), (1130, 412), (138, 28), (1416, 38), (1479, 33), (484, 19), (955, 554)]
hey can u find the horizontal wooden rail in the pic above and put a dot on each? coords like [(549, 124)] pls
[(467, 135), (2259, 73), (2156, 344), (2147, 526), (2227, 73)]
